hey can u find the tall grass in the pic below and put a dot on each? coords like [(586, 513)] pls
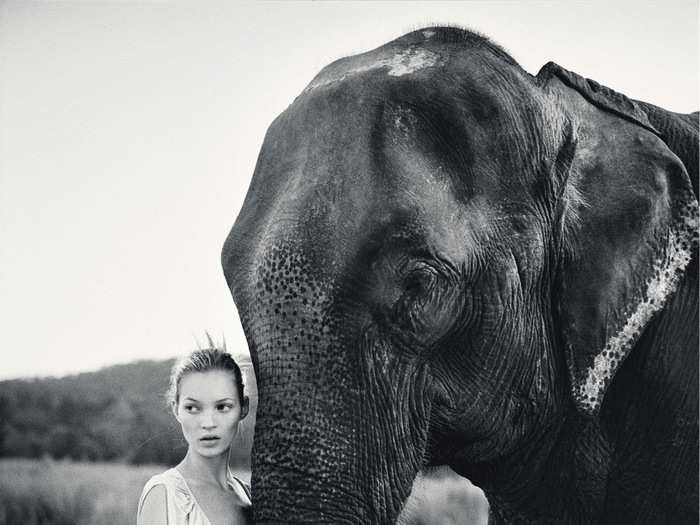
[(441, 497), (45, 492)]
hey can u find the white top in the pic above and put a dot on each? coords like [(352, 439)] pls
[(182, 507)]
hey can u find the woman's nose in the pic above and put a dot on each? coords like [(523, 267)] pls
[(208, 420)]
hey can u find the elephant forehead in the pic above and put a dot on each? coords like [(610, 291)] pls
[(397, 63)]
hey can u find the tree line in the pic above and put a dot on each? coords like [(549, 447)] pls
[(114, 414)]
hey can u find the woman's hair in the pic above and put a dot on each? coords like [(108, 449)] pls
[(204, 360)]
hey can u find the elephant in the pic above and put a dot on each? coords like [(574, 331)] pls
[(444, 260)]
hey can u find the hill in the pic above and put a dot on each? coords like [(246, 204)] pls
[(114, 414)]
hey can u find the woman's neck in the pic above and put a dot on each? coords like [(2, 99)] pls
[(208, 470)]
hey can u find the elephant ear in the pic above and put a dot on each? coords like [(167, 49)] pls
[(628, 228), (598, 95)]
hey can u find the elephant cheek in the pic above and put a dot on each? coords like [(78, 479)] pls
[(400, 419)]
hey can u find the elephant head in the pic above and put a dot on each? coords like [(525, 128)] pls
[(444, 260)]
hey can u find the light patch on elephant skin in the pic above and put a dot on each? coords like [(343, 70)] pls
[(402, 63), (428, 34), (412, 60), (666, 275), (404, 121)]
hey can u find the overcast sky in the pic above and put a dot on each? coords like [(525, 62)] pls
[(129, 132)]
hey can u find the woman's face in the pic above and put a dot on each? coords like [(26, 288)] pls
[(208, 411)]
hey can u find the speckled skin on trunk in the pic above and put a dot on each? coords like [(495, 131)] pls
[(443, 260)]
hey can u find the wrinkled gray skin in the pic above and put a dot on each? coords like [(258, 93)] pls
[(442, 260)]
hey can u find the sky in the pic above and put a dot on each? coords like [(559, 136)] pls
[(129, 132)]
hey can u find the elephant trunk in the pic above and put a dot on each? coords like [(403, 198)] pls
[(322, 456), (304, 459), (305, 452)]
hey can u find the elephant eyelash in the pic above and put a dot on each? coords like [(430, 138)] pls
[(428, 259), (437, 271)]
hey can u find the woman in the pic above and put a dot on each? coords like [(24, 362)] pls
[(206, 396)]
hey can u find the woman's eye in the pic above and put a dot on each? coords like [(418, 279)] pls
[(191, 408), (224, 407)]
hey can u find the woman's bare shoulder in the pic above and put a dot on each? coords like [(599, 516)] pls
[(154, 509)]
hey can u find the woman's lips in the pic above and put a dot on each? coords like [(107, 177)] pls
[(209, 439)]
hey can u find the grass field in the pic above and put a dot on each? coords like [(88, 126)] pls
[(65, 493)]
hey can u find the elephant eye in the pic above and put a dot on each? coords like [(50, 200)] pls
[(420, 286), (427, 309), (420, 281)]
